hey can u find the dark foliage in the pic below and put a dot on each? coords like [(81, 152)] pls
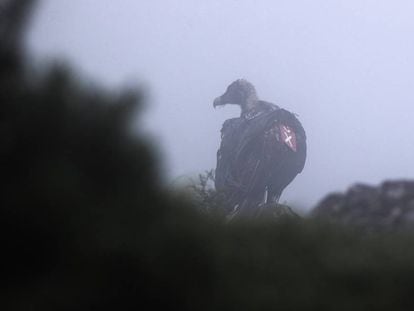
[(85, 224), (209, 201), (215, 203)]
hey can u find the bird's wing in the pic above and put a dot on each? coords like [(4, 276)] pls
[(271, 153), (265, 152)]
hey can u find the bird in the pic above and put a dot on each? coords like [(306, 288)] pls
[(260, 153)]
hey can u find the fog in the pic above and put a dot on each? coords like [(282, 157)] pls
[(345, 67)]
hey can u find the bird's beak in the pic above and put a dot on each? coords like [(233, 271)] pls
[(217, 102)]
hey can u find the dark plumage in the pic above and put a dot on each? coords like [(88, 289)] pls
[(261, 151)]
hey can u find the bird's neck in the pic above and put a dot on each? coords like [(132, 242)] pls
[(249, 103)]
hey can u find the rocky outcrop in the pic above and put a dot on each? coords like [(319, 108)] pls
[(389, 206)]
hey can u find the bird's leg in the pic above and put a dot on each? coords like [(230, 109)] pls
[(262, 205), (265, 195), (233, 213), (275, 199)]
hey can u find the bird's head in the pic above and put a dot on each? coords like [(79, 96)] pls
[(241, 92)]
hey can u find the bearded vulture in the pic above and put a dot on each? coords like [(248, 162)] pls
[(260, 153)]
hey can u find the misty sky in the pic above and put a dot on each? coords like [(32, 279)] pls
[(345, 67)]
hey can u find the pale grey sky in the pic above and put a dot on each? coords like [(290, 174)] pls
[(345, 67)]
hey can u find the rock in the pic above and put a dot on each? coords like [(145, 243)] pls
[(389, 206)]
